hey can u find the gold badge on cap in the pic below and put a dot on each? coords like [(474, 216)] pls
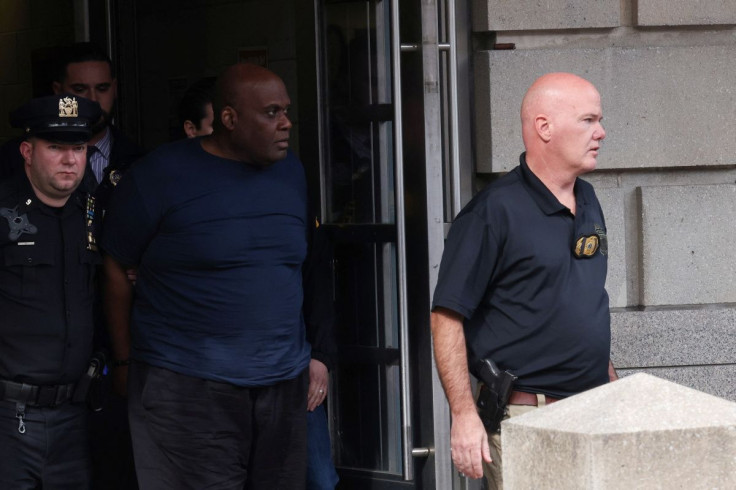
[(68, 107)]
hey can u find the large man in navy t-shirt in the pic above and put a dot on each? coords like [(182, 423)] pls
[(522, 276), (214, 346)]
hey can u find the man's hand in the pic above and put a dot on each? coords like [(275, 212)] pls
[(469, 444), (318, 381), (118, 300), (468, 439), (612, 374)]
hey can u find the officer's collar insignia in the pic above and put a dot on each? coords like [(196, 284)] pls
[(115, 177), (586, 246), (17, 224), (68, 107)]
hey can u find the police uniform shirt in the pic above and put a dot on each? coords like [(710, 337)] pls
[(46, 287), (528, 276)]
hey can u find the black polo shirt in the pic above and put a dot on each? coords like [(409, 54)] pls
[(46, 288), (530, 304)]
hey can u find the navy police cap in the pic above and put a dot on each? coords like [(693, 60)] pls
[(61, 118)]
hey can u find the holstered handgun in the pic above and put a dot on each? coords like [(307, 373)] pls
[(93, 386), (494, 393)]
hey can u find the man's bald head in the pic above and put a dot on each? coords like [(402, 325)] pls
[(561, 124), (550, 94), (236, 81), (251, 122)]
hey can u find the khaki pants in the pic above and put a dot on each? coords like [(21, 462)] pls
[(493, 471)]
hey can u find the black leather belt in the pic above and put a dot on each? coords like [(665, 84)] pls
[(35, 396)]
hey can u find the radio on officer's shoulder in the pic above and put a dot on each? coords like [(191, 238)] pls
[(93, 386)]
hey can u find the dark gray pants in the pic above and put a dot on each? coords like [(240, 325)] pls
[(192, 433), (52, 454)]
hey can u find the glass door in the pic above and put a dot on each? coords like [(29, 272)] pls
[(359, 199), (386, 186)]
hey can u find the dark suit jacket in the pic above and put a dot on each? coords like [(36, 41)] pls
[(123, 154)]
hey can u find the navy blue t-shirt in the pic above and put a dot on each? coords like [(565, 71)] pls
[(219, 245), (529, 302)]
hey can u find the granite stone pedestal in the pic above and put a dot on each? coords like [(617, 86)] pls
[(640, 432)]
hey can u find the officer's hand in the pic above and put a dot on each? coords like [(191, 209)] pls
[(612, 374), (120, 381), (469, 444), (318, 381)]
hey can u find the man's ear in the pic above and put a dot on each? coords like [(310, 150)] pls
[(56, 87), (190, 129), (229, 118), (543, 127), (26, 150)]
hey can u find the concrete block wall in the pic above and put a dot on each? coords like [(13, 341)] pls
[(683, 13), (525, 15), (689, 346), (24, 27), (667, 170), (687, 237)]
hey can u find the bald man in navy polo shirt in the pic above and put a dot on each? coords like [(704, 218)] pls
[(523, 272)]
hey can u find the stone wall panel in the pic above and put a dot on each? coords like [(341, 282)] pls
[(662, 106), (673, 337), (687, 254), (611, 199), (685, 12), (502, 15)]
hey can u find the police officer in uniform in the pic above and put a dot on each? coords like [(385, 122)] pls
[(48, 256)]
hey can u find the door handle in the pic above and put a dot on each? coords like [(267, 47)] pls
[(422, 452), (406, 432), (396, 49)]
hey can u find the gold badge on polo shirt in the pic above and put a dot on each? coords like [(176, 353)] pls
[(586, 246), (68, 107)]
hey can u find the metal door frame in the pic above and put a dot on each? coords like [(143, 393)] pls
[(448, 175), (444, 48)]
